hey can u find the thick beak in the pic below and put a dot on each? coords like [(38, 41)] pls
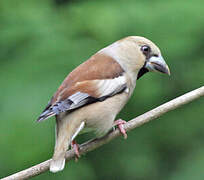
[(157, 64)]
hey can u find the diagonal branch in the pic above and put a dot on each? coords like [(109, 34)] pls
[(130, 125)]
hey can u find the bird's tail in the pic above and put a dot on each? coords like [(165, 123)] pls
[(66, 130), (57, 164)]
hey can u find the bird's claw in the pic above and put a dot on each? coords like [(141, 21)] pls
[(120, 123), (75, 146)]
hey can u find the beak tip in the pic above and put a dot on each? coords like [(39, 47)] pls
[(168, 71)]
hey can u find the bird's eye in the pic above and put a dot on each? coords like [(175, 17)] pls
[(145, 49)]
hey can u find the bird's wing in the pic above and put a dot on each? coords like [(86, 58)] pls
[(84, 93), (92, 81)]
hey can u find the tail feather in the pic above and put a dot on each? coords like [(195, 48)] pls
[(67, 129), (57, 165), (63, 136)]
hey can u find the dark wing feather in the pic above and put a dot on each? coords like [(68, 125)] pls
[(47, 112)]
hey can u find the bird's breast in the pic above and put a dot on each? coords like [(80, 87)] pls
[(99, 117)]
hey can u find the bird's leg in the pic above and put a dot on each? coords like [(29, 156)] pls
[(120, 123), (75, 146)]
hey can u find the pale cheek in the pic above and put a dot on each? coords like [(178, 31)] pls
[(140, 62)]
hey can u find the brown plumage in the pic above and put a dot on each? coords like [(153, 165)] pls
[(99, 66)]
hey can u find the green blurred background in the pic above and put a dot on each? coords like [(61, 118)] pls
[(42, 41)]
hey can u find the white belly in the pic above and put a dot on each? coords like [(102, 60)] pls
[(99, 117)]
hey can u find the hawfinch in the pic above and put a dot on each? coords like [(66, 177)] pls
[(93, 94)]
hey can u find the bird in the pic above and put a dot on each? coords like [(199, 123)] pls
[(93, 94)]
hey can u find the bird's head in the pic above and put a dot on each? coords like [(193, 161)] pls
[(138, 56)]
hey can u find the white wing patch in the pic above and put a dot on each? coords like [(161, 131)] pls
[(109, 86), (78, 97), (103, 88)]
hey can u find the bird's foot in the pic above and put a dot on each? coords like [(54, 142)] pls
[(120, 123), (75, 146)]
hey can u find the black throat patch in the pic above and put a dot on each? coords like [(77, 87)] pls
[(142, 71)]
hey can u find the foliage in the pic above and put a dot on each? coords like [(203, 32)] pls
[(40, 42)]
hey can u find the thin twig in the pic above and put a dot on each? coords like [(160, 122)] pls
[(93, 144)]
